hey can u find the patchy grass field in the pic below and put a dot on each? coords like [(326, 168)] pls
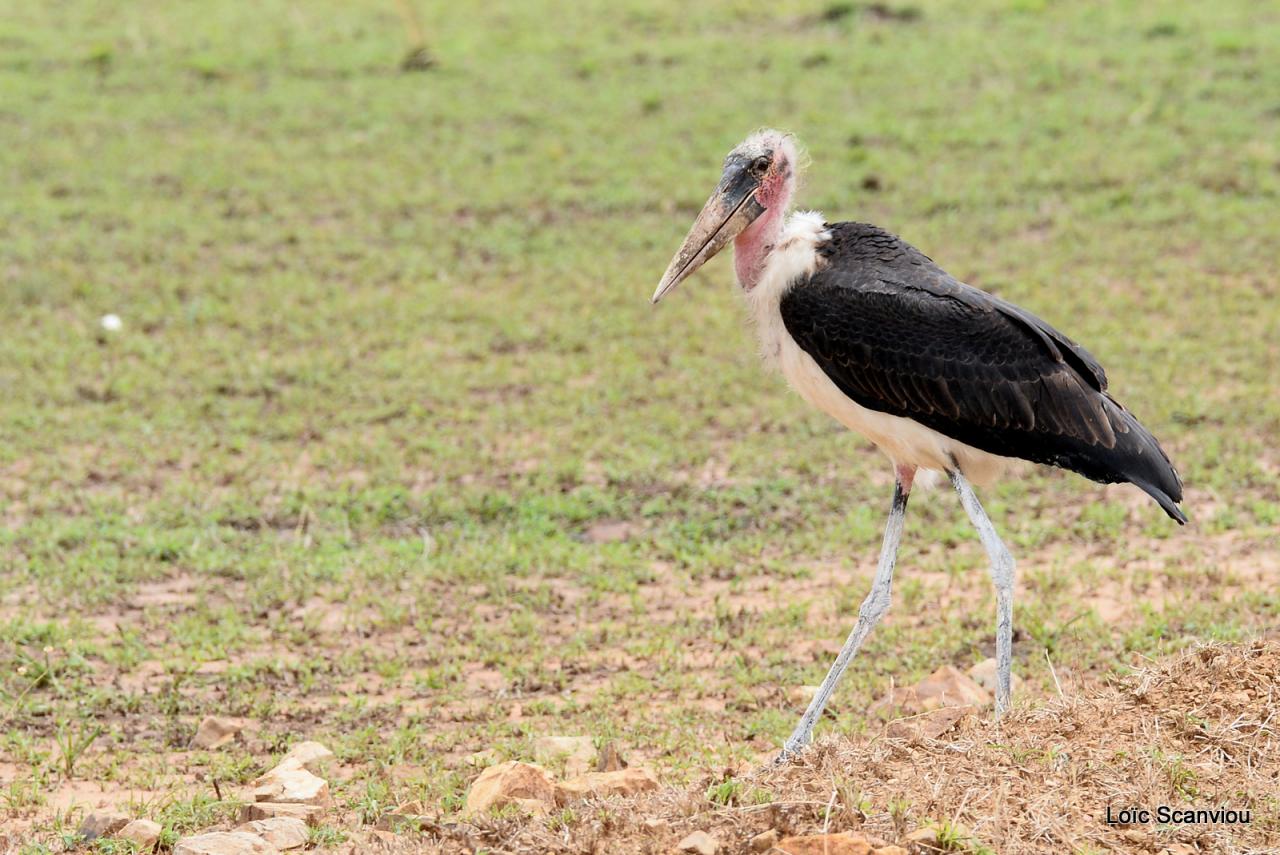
[(391, 451)]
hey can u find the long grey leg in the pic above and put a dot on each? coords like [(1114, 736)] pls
[(1002, 566), (871, 610)]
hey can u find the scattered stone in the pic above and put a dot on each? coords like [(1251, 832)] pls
[(624, 782), (223, 843), (834, 844), (103, 823), (610, 759), (310, 814), (577, 751), (928, 725), (950, 687), (308, 755), (655, 825), (764, 841), (295, 785), (946, 687), (895, 702), (699, 843), (522, 784), (984, 674), (142, 832), (282, 832), (215, 732)]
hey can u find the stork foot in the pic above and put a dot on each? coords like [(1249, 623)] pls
[(791, 750)]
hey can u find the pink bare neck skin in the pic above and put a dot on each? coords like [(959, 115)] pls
[(751, 248)]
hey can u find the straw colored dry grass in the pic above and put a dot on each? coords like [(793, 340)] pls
[(1199, 731)]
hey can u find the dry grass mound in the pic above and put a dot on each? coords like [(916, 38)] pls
[(1199, 732)]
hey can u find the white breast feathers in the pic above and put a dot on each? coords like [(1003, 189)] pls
[(905, 441)]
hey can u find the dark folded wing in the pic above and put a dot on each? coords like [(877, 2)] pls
[(898, 335)]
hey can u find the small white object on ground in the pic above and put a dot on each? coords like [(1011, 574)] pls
[(112, 323)]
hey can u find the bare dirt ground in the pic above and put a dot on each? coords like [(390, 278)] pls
[(1201, 729), (1193, 730)]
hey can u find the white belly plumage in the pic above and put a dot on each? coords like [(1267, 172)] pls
[(904, 440)]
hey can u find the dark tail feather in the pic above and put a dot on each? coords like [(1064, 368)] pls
[(1142, 462), (1165, 500)]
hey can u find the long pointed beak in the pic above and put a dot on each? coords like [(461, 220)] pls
[(731, 208)]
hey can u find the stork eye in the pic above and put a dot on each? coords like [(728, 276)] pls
[(760, 165)]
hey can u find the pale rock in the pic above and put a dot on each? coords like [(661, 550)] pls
[(577, 752), (223, 843), (699, 843), (898, 700), (308, 755), (984, 674), (142, 832), (523, 784), (927, 725), (624, 782), (215, 732), (764, 841), (948, 686), (103, 823), (295, 785), (310, 814), (282, 832), (827, 844), (945, 687)]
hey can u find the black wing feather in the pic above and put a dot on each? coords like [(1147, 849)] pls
[(897, 334)]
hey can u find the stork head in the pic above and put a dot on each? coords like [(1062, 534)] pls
[(758, 179)]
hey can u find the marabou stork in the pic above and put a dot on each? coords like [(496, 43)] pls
[(938, 374)]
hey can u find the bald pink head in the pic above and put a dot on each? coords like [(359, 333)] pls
[(747, 207), (752, 246)]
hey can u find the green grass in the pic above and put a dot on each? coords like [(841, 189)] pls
[(388, 357)]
